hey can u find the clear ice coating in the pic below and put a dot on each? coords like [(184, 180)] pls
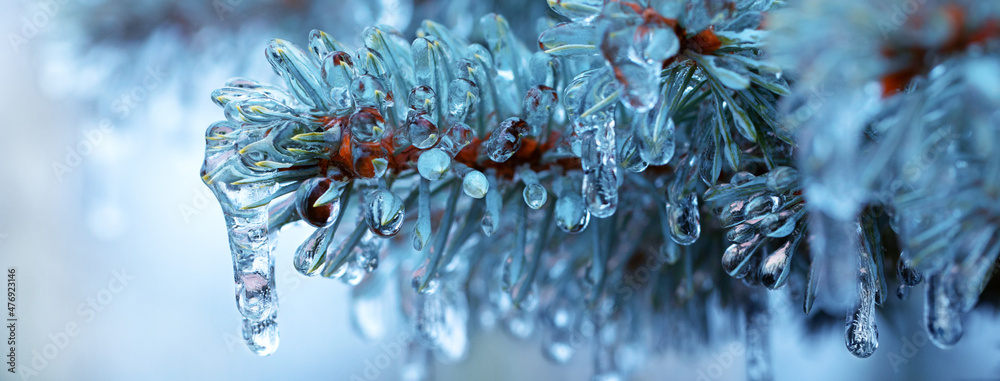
[(505, 139), (613, 87)]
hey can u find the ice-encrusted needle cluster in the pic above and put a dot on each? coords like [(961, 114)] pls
[(585, 190)]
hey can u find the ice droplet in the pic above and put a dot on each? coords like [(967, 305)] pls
[(307, 196), (422, 99), (422, 131), (367, 125), (683, 216), (534, 193), (654, 136), (309, 256), (384, 214), (369, 91), (505, 139), (572, 215), (433, 164), (261, 336), (630, 158), (475, 184), (907, 275)]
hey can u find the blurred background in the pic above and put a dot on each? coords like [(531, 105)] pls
[(121, 252)]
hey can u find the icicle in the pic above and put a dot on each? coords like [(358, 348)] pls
[(384, 213), (534, 193), (422, 229), (433, 164), (431, 69), (862, 332), (261, 336), (494, 202), (600, 166), (941, 312)]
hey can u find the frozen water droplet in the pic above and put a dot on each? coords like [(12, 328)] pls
[(654, 137), (684, 219), (475, 184), (367, 125), (505, 139), (905, 271), (261, 336), (369, 91), (384, 214), (422, 282), (572, 215), (630, 158), (758, 206), (433, 164), (423, 133), (309, 193), (422, 99), (638, 79), (535, 195), (577, 10), (371, 160), (309, 256)]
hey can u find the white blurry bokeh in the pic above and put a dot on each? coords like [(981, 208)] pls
[(133, 203)]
